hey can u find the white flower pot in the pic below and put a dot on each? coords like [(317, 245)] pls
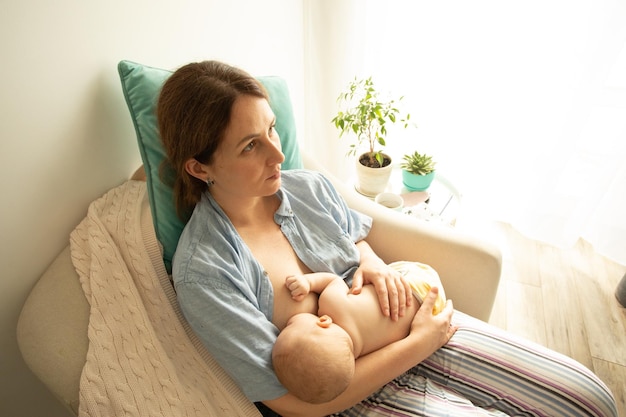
[(372, 181)]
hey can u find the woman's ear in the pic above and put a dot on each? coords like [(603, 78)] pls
[(197, 169)]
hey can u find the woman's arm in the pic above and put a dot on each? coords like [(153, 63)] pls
[(394, 293), (428, 333)]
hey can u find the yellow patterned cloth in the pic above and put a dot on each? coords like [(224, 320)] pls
[(422, 278)]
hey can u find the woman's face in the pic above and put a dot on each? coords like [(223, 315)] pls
[(247, 161)]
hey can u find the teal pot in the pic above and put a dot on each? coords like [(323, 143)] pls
[(417, 182)]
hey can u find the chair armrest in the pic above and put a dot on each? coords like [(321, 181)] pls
[(468, 267), (52, 327), (52, 330)]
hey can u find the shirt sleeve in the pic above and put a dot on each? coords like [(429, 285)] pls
[(237, 334)]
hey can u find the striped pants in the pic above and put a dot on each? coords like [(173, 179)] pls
[(484, 371)]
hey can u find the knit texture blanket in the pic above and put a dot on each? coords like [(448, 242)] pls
[(143, 359)]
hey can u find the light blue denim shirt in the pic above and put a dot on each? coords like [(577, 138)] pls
[(224, 292)]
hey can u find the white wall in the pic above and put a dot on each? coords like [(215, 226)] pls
[(65, 134), (334, 54)]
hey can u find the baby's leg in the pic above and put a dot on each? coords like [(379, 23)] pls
[(497, 370)]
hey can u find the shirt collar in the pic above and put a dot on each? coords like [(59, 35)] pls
[(284, 210)]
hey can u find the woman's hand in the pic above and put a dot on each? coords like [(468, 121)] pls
[(436, 329), (394, 293)]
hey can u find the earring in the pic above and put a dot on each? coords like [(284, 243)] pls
[(209, 182)]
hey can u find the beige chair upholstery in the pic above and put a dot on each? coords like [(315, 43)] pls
[(52, 328)]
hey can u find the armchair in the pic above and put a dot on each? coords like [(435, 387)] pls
[(53, 326)]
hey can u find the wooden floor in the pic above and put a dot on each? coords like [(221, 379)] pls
[(564, 299)]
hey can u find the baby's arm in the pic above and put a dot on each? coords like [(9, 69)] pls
[(301, 285)]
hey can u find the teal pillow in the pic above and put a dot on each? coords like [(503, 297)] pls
[(141, 85)]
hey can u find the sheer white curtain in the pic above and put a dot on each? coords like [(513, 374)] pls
[(523, 104)]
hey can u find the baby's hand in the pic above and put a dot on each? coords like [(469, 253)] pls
[(298, 285)]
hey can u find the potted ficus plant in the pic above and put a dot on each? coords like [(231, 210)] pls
[(418, 171), (365, 115)]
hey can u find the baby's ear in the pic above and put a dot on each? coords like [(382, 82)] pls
[(324, 321)]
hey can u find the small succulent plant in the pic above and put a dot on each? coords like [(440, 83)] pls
[(418, 164)]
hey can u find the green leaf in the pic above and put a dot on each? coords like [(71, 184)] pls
[(364, 114)]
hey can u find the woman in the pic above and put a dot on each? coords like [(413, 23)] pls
[(253, 225)]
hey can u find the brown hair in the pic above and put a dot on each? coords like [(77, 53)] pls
[(193, 113)]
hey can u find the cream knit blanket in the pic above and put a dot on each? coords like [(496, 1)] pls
[(143, 360)]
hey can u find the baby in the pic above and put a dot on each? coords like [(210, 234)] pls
[(314, 356)]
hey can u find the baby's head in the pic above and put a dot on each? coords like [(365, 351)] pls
[(313, 358)]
